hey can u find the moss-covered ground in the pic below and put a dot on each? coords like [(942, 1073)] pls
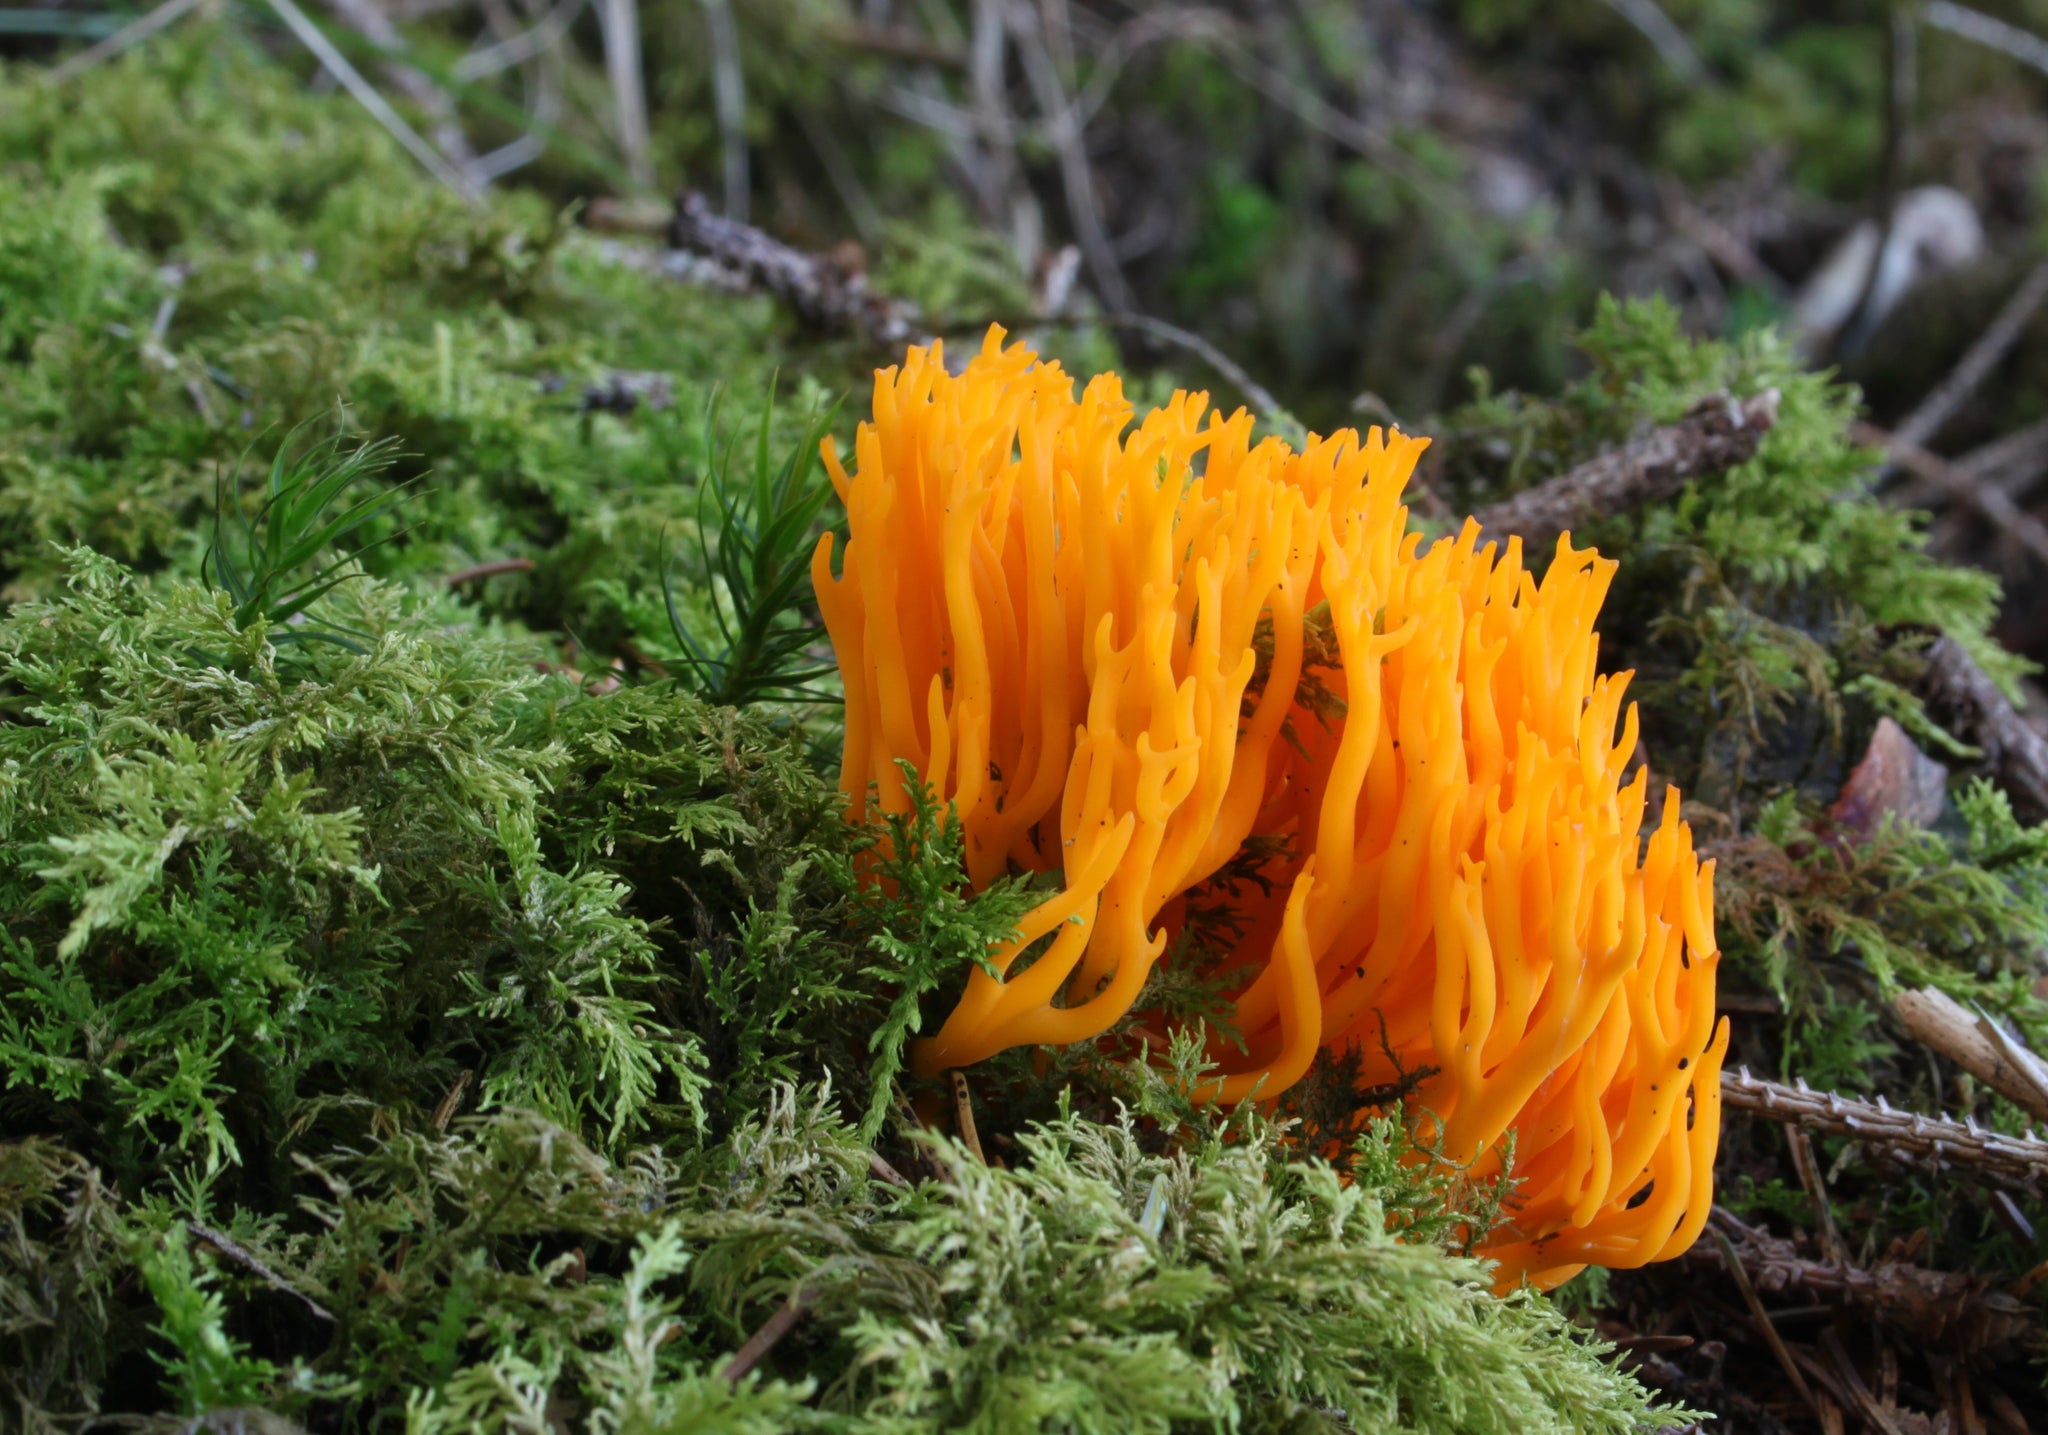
[(441, 999)]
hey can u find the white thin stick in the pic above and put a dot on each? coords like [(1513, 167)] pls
[(2023, 45), (621, 25), (130, 34), (351, 79), (729, 102), (518, 49), (1665, 36)]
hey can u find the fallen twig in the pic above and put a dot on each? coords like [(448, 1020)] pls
[(1977, 362), (1215, 358), (1937, 1020), (351, 79), (1962, 697), (1719, 433), (768, 1336), (489, 570), (247, 1259), (1954, 481), (2013, 1163), (2023, 45), (2009, 464), (1942, 1311), (1731, 1262), (823, 291)]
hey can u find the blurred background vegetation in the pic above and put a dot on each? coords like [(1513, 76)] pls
[(1358, 200)]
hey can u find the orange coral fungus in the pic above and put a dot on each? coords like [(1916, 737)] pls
[(1135, 655)]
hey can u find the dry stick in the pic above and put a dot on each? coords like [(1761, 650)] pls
[(1953, 481), (452, 1102), (822, 293), (129, 35), (1664, 36), (2023, 45), (963, 1114), (1938, 1021), (2010, 463), (1195, 344), (619, 24), (1077, 177), (768, 1336), (728, 104), (1901, 75), (1732, 1263), (1963, 697), (1717, 434), (489, 570), (1943, 1311), (2012, 1163), (1866, 1403), (1977, 363), (1808, 1169), (883, 1171), (365, 93), (247, 1259), (374, 25)]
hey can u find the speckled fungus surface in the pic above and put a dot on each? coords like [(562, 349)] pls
[(1157, 659)]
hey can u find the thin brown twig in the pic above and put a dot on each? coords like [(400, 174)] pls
[(1965, 699), (248, 1260), (1732, 1262), (768, 1336), (1956, 483), (1993, 1158), (1941, 1311), (452, 1102), (1866, 1403), (1077, 176), (1977, 362), (1215, 358), (488, 570), (883, 1171), (1718, 434), (1901, 76), (1831, 1247)]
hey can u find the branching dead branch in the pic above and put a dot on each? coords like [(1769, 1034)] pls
[(1715, 436), (1944, 1311), (2013, 1163), (823, 291), (1977, 362), (1954, 482), (1962, 696)]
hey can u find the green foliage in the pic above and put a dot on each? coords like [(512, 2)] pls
[(263, 566), (207, 1367), (926, 931), (761, 573)]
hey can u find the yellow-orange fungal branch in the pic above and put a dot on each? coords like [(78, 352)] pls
[(1090, 639)]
